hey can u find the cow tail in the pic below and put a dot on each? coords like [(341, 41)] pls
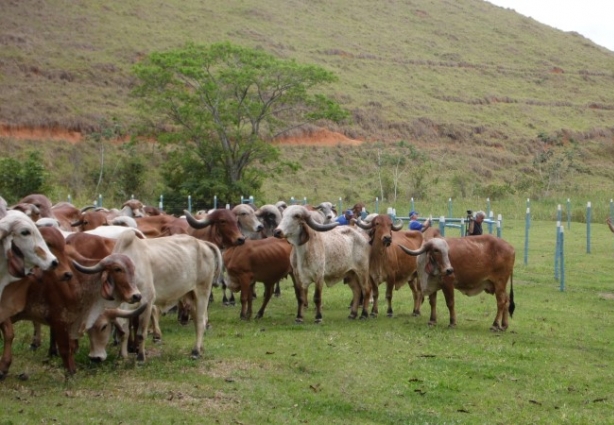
[(512, 305), (218, 276)]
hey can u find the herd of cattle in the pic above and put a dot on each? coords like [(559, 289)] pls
[(96, 271)]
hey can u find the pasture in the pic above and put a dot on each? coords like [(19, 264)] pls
[(553, 365)]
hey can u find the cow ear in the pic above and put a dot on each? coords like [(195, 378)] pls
[(304, 234), (16, 265), (429, 268), (107, 286)]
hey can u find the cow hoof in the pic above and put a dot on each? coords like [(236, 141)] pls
[(23, 376), (363, 317), (34, 347), (318, 321), (415, 313), (195, 354), (374, 315), (432, 323), (352, 316), (298, 320), (496, 329), (140, 357), (3, 375), (157, 339), (389, 314)]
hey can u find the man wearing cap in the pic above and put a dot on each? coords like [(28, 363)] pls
[(414, 224), (345, 218)]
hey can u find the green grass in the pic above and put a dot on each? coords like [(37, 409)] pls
[(553, 365)]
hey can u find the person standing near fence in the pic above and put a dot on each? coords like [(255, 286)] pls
[(609, 221), (475, 224), (414, 224)]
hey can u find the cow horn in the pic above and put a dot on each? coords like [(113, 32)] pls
[(76, 223), (319, 207), (398, 226), (89, 270), (89, 207), (114, 313), (425, 247), (197, 224), (364, 225), (320, 227)]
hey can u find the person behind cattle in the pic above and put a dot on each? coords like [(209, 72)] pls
[(609, 221), (414, 224), (475, 224), (344, 220)]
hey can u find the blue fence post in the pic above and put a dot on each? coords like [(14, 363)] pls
[(376, 205), (588, 227), (527, 224), (449, 207), (568, 213), (70, 200), (161, 205), (190, 203), (562, 259), (304, 200), (132, 196), (442, 225), (215, 202), (557, 250), (462, 226), (488, 208), (411, 206), (292, 200), (340, 206), (99, 200), (499, 220), (227, 206)]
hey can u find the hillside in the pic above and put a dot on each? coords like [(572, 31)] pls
[(470, 83)]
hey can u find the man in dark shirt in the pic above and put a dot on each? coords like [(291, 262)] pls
[(475, 225)]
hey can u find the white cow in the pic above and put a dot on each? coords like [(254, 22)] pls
[(23, 247), (166, 270), (325, 253)]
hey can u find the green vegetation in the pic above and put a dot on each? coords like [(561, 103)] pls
[(553, 365), (219, 105)]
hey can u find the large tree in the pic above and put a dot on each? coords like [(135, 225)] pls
[(222, 105)]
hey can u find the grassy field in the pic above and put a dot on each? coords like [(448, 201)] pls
[(553, 365)]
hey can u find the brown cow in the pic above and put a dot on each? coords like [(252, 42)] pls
[(388, 263), (156, 226), (471, 265), (264, 260), (69, 299)]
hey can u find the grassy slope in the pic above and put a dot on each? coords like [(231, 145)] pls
[(453, 77)]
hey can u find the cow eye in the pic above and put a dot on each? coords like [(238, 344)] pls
[(103, 328), (25, 232), (117, 270)]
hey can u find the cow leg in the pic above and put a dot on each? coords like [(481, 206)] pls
[(375, 292), (301, 299), (277, 292), (8, 335), (502, 319), (317, 300), (417, 295), (36, 337), (201, 316), (155, 324), (389, 287), (448, 293), (141, 333), (433, 304), (268, 293), (65, 347), (247, 293), (366, 299), (356, 294)]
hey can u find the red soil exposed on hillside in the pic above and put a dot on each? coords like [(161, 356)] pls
[(319, 138)]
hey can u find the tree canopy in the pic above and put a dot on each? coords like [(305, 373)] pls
[(221, 105)]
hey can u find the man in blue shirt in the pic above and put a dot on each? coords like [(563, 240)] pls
[(344, 219), (414, 224)]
